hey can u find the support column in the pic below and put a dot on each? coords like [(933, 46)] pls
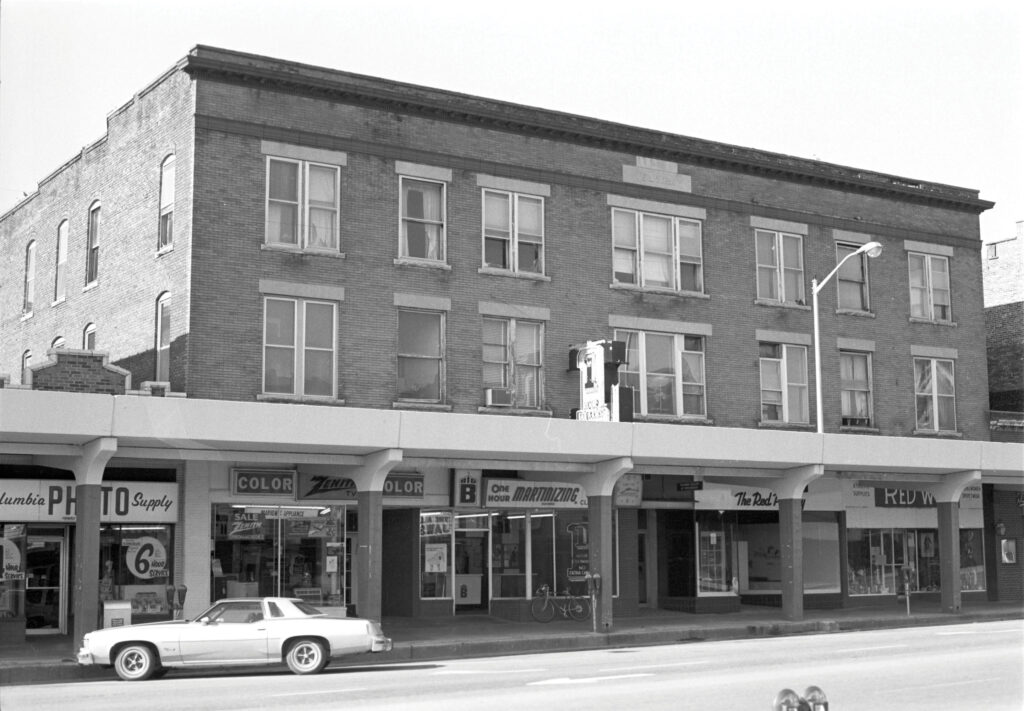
[(949, 554), (599, 523), (791, 542), (369, 479)]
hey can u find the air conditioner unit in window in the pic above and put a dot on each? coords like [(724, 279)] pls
[(498, 397)]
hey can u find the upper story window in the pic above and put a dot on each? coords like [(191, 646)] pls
[(26, 363), (852, 279), (783, 383), (421, 356), (163, 338), (855, 374), (58, 342), (935, 394), (92, 246), (665, 371), (303, 204), (657, 251), (513, 362), (299, 344), (423, 220), (29, 297), (929, 287), (61, 271), (165, 236), (89, 337), (780, 266), (513, 232)]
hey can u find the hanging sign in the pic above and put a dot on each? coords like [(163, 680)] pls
[(10, 560), (590, 361)]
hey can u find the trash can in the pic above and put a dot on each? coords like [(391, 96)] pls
[(117, 613)]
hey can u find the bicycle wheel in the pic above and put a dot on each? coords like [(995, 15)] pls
[(579, 607), (542, 609)]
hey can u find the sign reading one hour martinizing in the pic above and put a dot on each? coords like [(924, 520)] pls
[(516, 494), (55, 500)]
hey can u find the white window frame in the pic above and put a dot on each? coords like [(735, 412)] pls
[(638, 252), (680, 351), (162, 338), (842, 250), (28, 300), (58, 342), (89, 333), (405, 221), (772, 276), (165, 226), (932, 395), (92, 246), (26, 363), (304, 206), (515, 236), (60, 273), (788, 352), (421, 357), (510, 363), (850, 389), (299, 348), (928, 290)]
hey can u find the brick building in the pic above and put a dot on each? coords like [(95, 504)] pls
[(361, 297)]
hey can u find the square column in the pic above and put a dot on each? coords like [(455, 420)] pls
[(599, 523), (791, 542), (368, 558), (86, 581), (949, 554)]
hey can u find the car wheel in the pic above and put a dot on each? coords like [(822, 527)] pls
[(306, 656), (136, 662)]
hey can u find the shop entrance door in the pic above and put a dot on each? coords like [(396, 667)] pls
[(45, 582), (471, 547)]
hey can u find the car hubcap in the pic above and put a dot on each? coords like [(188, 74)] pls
[(133, 662), (306, 655)]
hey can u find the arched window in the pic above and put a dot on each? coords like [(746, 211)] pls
[(30, 278), (58, 342), (89, 337), (26, 361), (163, 337), (60, 273), (166, 230), (92, 246)]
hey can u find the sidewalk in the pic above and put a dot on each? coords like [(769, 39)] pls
[(47, 659)]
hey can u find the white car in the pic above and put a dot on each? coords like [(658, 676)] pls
[(234, 632)]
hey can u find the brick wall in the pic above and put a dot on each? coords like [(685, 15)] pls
[(80, 372), (1004, 327), (1009, 576)]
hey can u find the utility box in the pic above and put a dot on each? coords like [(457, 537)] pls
[(117, 613)]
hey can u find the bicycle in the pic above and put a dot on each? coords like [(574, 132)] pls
[(545, 605)]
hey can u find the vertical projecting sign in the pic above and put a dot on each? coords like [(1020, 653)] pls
[(590, 361)]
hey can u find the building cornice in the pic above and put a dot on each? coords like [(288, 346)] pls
[(246, 69)]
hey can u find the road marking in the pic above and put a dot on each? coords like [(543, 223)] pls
[(656, 666), (951, 683), (314, 693), (584, 680), (872, 649), (984, 632), (487, 671)]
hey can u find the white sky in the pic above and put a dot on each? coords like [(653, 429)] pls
[(926, 90)]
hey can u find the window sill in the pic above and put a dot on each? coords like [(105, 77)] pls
[(302, 251), (616, 286), (782, 304), (513, 411), (915, 319), (770, 425), (949, 434), (851, 429), (674, 420), (299, 399), (853, 312), (58, 302), (422, 263), (90, 286), (530, 276), (423, 406), (164, 250), (26, 316)]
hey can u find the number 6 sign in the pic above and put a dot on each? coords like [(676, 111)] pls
[(146, 558)]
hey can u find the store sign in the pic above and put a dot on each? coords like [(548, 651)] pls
[(408, 485), (146, 557), (590, 362), (880, 497), (10, 560), (37, 500), (516, 494), (466, 492), (340, 488), (263, 482)]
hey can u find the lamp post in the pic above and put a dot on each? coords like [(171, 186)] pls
[(873, 249)]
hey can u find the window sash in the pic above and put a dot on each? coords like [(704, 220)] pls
[(780, 266), (513, 229), (855, 376), (784, 389), (929, 287), (513, 358), (852, 279), (166, 226), (420, 356), (29, 294), (423, 219), (163, 339), (935, 394), (665, 371), (303, 204), (89, 337), (61, 271), (657, 251), (92, 251), (299, 345)]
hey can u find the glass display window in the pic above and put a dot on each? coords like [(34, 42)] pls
[(892, 561), (136, 566), (436, 529), (13, 541)]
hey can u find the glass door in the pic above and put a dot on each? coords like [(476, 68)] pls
[(45, 582)]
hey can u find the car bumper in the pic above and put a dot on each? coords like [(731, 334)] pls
[(85, 657), (381, 644)]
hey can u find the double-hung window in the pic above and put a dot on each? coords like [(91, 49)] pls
[(89, 337), (299, 347), (61, 272), (165, 233), (666, 373), (303, 204), (935, 394), (929, 287), (783, 383), (852, 279), (855, 374), (513, 359), (29, 294), (513, 232), (92, 246), (780, 266), (423, 220), (163, 338), (657, 251), (421, 356)]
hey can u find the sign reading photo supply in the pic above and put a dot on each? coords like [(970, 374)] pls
[(35, 500)]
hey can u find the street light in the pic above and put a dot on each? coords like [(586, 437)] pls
[(873, 249)]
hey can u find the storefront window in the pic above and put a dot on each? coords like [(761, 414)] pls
[(299, 551), (436, 554), (886, 561), (12, 571), (135, 565), (715, 562), (508, 561), (758, 534)]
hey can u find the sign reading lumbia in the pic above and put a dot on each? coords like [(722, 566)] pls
[(34, 500)]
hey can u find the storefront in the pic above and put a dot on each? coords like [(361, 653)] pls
[(137, 538)]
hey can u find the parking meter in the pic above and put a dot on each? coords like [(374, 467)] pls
[(788, 700), (816, 699)]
